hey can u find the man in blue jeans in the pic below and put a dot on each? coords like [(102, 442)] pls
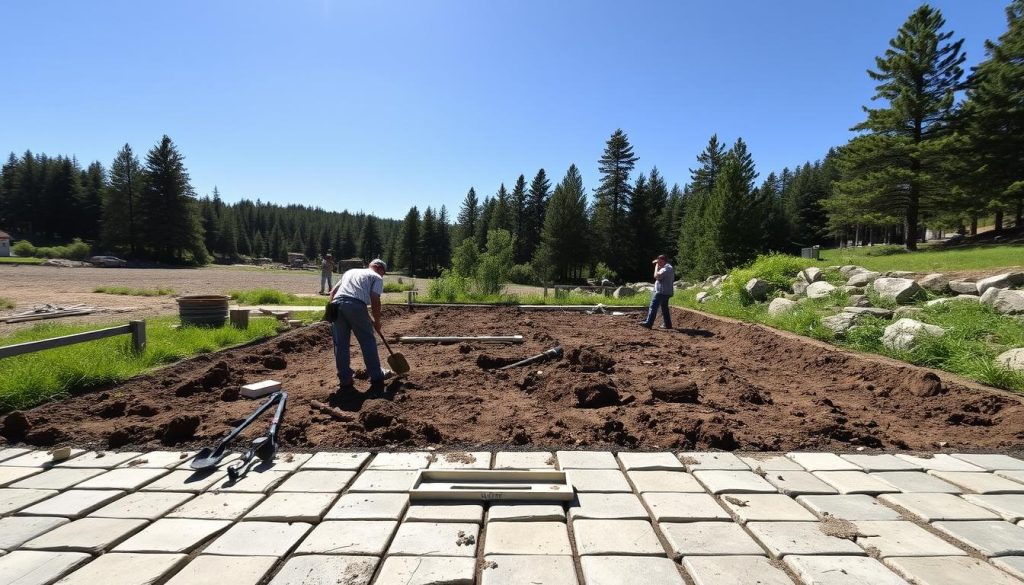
[(664, 287), (358, 289)]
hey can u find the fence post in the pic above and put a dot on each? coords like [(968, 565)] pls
[(410, 299), (240, 318), (138, 329)]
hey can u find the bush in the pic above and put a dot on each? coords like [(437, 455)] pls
[(778, 270), (76, 250), (448, 288), (602, 271), (393, 287), (24, 248), (886, 250), (523, 274)]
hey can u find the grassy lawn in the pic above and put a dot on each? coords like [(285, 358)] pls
[(269, 296), (933, 259), (135, 292), (30, 379), (537, 299), (20, 260), (6, 304)]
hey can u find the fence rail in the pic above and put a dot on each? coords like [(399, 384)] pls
[(137, 329)]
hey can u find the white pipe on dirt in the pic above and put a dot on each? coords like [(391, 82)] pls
[(460, 339)]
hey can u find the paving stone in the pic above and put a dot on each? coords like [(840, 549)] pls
[(770, 463), (948, 571), (532, 569), (29, 567), (12, 452), (445, 512), (9, 475), (88, 535), (993, 538), (336, 461), (586, 460), (677, 507), (1017, 476), (854, 482), (705, 460), (17, 530), (605, 507), (616, 570), (852, 508), (841, 570), (125, 478), (708, 539), (126, 569), (884, 462), (734, 482), (254, 482), (598, 480), (798, 483), (368, 506), (58, 478), (980, 483), (650, 462), (664, 481), (272, 539), (284, 462), (349, 537), (39, 459), (931, 507), (211, 569), (614, 537), (800, 538), (823, 462), (527, 538), (438, 539), (292, 507), (160, 459), (100, 459), (326, 570), (172, 535), (1012, 565), (146, 505), (70, 504), (1009, 506), (525, 512), (903, 539), (375, 480), (186, 480), (767, 508), (992, 462), (427, 571), (414, 460), (940, 462), (211, 506), (734, 570), (524, 460), (916, 482), (462, 460)]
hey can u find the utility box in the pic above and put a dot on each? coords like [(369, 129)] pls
[(812, 253), (296, 260)]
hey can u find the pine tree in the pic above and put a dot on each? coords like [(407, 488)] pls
[(520, 221), (673, 217), (484, 222), (444, 239), (370, 246), (612, 241), (702, 179), (468, 216), (61, 194), (168, 207), (643, 226), (565, 248), (259, 246), (536, 207), (428, 243), (501, 217), (693, 231), (407, 255), (90, 203), (774, 226)]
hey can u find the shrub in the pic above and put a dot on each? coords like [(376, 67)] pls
[(885, 250), (778, 270), (448, 287), (602, 270), (392, 287), (523, 274), (24, 248)]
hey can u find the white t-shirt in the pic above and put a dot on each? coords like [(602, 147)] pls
[(359, 283)]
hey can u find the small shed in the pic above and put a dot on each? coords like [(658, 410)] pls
[(343, 265), (5, 243), (296, 259)]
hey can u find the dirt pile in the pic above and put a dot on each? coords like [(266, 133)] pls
[(709, 383)]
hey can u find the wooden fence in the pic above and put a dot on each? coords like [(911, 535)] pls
[(137, 329)]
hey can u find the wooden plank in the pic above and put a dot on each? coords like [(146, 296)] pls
[(33, 346), (41, 316), (490, 485), (460, 339)]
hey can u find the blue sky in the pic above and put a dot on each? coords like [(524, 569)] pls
[(378, 106)]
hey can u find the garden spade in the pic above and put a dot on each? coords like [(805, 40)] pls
[(209, 457), (396, 361)]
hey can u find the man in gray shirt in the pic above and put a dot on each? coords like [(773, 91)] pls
[(357, 290), (664, 287)]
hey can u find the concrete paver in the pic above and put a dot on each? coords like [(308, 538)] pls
[(126, 569), (29, 567), (708, 539), (172, 535), (100, 459), (326, 481), (160, 459), (212, 569), (326, 570), (650, 462), (853, 508), (39, 459), (186, 480), (841, 570), (336, 461), (1012, 565), (146, 505), (664, 481), (61, 479), (734, 482), (800, 538), (855, 482), (435, 539), (527, 538), (426, 571), (735, 570), (676, 507), (991, 462), (823, 462), (369, 506), (88, 535), (993, 538), (1014, 474), (1009, 506), (12, 452), (916, 482), (614, 570), (883, 462), (931, 507), (527, 512), (212, 506), (349, 537), (525, 460), (980, 483), (445, 512), (16, 530), (124, 478), (461, 460), (703, 460), (413, 460), (598, 480), (616, 537), (254, 482), (70, 504), (903, 539), (284, 461), (940, 462), (271, 539), (375, 480), (292, 507), (595, 506), (9, 475), (767, 508), (770, 463), (532, 569), (586, 460), (948, 571), (798, 483)]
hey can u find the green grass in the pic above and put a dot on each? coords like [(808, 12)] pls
[(269, 296), (932, 259), (394, 287), (135, 292), (33, 378), (20, 260), (6, 304)]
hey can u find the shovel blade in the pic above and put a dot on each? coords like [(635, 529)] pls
[(398, 363), (206, 459)]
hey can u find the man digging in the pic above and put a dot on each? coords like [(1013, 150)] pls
[(358, 289), (664, 287)]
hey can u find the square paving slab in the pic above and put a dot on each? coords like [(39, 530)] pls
[(525, 460), (800, 538), (605, 507), (993, 538), (704, 460), (326, 570), (211, 569), (931, 507), (40, 459), (650, 462), (186, 480), (855, 482), (523, 569), (940, 462), (767, 508), (254, 482), (798, 483), (17, 530), (841, 570), (734, 570), (616, 537), (853, 508), (160, 459), (435, 539), (369, 506), (673, 507), (462, 460), (100, 459), (734, 482), (70, 504), (336, 461), (147, 505), (211, 506), (770, 463), (598, 480), (615, 570), (349, 537), (374, 480), (172, 535), (122, 479), (126, 569), (61, 479), (427, 571), (271, 539), (948, 571), (916, 482), (981, 483), (326, 481), (527, 538), (902, 539), (528, 512), (586, 460), (292, 507), (823, 462), (9, 475), (445, 512), (708, 539), (29, 567), (665, 481), (992, 462), (415, 460), (1010, 506), (88, 535), (884, 462)]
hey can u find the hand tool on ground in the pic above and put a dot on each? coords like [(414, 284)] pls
[(396, 361), (553, 353), (263, 447), (209, 457)]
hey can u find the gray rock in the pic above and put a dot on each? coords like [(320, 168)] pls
[(944, 300), (779, 306), (901, 312), (875, 311), (800, 287), (819, 290), (1016, 278), (623, 292), (963, 287), (853, 290), (902, 334), (935, 282), (990, 295), (859, 300), (1012, 359), (810, 274), (1010, 302), (997, 281), (840, 323), (849, 269), (862, 278), (901, 290), (702, 297), (682, 285), (757, 288), (900, 274)]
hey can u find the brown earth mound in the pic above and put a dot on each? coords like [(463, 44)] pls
[(710, 383)]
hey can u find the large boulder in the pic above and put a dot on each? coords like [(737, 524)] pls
[(990, 295), (997, 281), (840, 323), (820, 289), (811, 274), (901, 290), (1007, 302), (800, 287), (902, 334), (944, 300), (862, 278), (873, 311), (1012, 359), (779, 306), (623, 292), (858, 301), (850, 269), (900, 274), (682, 285), (702, 297), (963, 287), (935, 282), (757, 289)]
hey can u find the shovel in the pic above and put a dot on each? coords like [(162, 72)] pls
[(396, 361), (209, 457)]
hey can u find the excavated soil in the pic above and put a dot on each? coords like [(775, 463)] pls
[(708, 384)]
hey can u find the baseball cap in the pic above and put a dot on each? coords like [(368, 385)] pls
[(379, 262)]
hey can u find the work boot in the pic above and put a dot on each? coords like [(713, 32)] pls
[(644, 325)]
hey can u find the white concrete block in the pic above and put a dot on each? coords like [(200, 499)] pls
[(260, 389), (902, 539), (708, 539)]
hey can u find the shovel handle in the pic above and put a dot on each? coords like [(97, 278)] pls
[(385, 342)]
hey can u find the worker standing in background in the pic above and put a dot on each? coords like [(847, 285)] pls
[(326, 271), (664, 287)]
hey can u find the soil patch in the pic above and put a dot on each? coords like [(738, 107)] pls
[(711, 384)]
